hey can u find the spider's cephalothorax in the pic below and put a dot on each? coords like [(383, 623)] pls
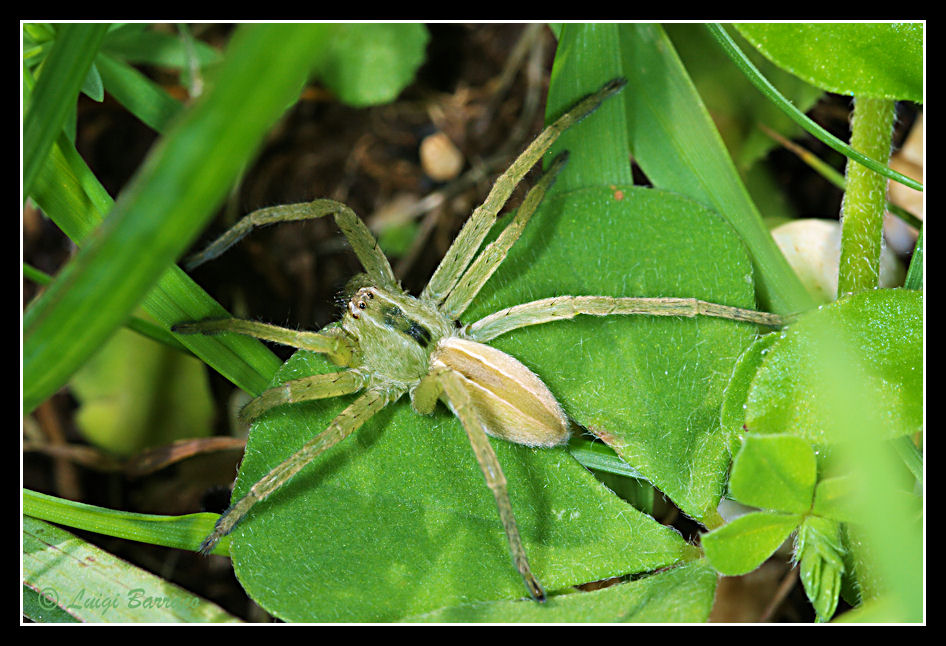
[(395, 334), (390, 343)]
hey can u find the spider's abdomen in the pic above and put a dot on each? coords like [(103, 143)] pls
[(510, 400), (395, 333)]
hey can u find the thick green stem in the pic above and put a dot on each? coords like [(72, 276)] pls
[(866, 197)]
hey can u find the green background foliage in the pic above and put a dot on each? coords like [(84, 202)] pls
[(396, 523)]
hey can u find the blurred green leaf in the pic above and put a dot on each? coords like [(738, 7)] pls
[(879, 60), (885, 541), (68, 192), (833, 499), (884, 327), (137, 43), (370, 63), (134, 394)]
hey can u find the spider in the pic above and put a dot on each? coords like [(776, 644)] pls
[(392, 344)]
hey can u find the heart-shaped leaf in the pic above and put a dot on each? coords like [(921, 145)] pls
[(742, 545), (397, 520)]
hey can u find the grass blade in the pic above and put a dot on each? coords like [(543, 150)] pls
[(182, 532), (64, 71), (141, 96)]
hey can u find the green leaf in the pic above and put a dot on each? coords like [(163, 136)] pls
[(370, 63), (879, 60), (682, 595), (92, 85), (884, 328), (397, 520), (774, 472), (77, 581), (743, 544)]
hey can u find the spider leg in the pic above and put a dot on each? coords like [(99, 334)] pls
[(457, 393), (566, 307), (495, 252), (333, 384), (329, 342), (347, 422), (358, 235), (467, 242)]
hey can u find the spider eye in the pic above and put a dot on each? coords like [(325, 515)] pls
[(362, 305)]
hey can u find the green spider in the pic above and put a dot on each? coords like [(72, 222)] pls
[(391, 343)]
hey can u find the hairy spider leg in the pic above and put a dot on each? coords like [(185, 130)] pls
[(566, 307), (359, 237), (495, 252), (346, 423), (458, 394), (333, 384), (467, 242), (329, 341)]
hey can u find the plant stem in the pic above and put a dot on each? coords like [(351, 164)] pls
[(866, 197)]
